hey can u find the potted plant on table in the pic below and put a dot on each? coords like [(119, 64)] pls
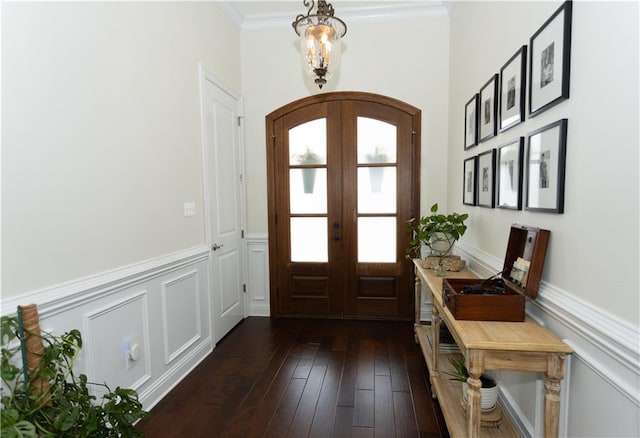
[(438, 232), (44, 397), (489, 389)]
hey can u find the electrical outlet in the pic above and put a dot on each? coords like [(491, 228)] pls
[(129, 363), (132, 355)]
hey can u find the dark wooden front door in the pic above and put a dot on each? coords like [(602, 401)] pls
[(343, 172)]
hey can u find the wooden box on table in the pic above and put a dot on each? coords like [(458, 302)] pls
[(503, 298)]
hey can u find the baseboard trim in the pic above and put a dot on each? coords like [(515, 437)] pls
[(170, 379)]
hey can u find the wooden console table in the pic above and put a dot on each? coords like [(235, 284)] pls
[(514, 346)]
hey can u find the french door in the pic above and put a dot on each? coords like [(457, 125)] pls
[(343, 173)]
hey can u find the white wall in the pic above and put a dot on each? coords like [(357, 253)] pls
[(590, 291), (101, 146), (406, 58), (101, 133), (593, 252)]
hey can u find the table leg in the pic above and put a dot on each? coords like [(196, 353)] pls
[(553, 376), (475, 367), (417, 292), (436, 321)]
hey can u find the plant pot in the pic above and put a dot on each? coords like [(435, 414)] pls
[(375, 178), (489, 396), (441, 244), (308, 179)]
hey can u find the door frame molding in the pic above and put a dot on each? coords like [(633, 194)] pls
[(416, 117), (204, 75)]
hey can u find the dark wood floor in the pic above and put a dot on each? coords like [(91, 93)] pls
[(304, 378)]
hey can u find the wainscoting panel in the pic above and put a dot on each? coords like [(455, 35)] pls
[(181, 314), (161, 305), (258, 279), (600, 395), (116, 342)]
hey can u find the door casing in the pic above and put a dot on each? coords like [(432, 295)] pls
[(227, 263)]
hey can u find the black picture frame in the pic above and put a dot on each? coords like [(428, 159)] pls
[(469, 181), (471, 123), (488, 101), (509, 166), (513, 79), (550, 61), (486, 179), (546, 156)]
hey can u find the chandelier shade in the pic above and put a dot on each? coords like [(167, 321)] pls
[(320, 40)]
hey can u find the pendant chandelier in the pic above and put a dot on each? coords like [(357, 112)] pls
[(320, 40)]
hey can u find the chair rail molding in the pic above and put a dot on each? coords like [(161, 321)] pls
[(58, 298)]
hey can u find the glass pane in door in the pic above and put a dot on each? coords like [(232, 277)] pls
[(309, 239), (377, 240), (308, 191), (376, 190), (308, 143), (376, 141)]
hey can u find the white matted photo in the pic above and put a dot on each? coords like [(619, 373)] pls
[(512, 90), (549, 63), (469, 182), (485, 178), (509, 175), (471, 122), (487, 122), (546, 153)]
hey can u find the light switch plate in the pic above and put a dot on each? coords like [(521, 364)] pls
[(189, 209)]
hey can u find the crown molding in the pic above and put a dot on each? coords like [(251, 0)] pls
[(357, 14), (232, 13)]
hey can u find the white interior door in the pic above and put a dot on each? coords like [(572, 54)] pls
[(224, 203)]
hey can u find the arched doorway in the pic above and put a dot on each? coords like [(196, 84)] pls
[(343, 180)]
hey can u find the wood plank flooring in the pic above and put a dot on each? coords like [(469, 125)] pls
[(304, 378)]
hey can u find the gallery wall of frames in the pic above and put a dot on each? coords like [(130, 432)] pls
[(529, 171)]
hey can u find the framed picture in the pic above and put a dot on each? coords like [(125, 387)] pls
[(509, 175), (512, 89), (549, 61), (488, 109), (471, 122), (469, 182), (546, 151), (486, 176)]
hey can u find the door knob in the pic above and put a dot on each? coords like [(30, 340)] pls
[(216, 246), (335, 238)]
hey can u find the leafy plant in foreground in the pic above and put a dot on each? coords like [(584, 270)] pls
[(66, 408)]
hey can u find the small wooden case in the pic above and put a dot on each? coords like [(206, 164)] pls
[(526, 249)]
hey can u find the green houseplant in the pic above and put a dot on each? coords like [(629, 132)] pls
[(489, 389), (438, 232), (65, 407)]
